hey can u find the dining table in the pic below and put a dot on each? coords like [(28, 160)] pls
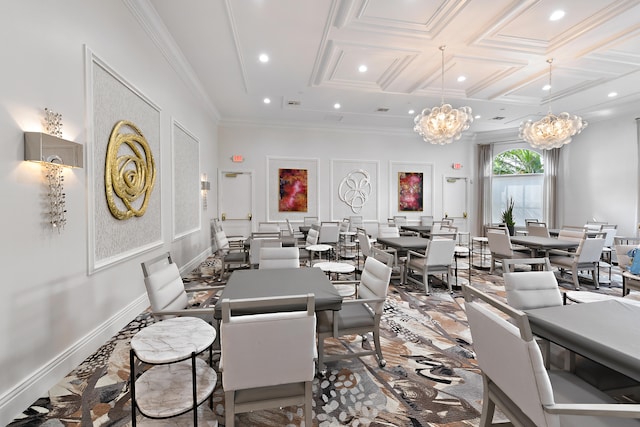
[(603, 331), (555, 232), (404, 243), (422, 230), (281, 282), (537, 244)]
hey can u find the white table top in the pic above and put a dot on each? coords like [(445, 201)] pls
[(167, 390), (601, 331), (173, 339), (319, 248), (335, 267)]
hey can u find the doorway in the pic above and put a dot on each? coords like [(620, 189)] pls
[(235, 202), (454, 201)]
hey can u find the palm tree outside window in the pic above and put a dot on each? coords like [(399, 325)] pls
[(518, 174)]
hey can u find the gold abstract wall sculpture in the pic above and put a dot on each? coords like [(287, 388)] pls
[(130, 171)]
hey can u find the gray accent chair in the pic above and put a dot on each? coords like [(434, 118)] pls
[(585, 258), (437, 259), (268, 359), (500, 246), (274, 258), (359, 315), (166, 291), (537, 229), (516, 381), (232, 253)]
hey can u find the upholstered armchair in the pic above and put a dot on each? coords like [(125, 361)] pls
[(268, 359), (273, 258), (166, 290), (358, 316), (586, 258), (516, 381), (436, 260), (500, 247)]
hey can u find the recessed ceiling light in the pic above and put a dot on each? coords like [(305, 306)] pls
[(336, 106), (546, 87), (263, 58), (266, 101), (362, 68), (556, 15), (477, 116), (612, 94), (412, 111), (462, 78)]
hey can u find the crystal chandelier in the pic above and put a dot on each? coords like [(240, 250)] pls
[(444, 124), (551, 131)]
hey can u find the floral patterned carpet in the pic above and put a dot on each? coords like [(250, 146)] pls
[(430, 379)]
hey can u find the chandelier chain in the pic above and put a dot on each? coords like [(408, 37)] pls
[(550, 61), (442, 48)]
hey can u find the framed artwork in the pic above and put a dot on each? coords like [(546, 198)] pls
[(111, 100), (292, 188), (293, 193), (410, 191)]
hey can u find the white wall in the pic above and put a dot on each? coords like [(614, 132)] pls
[(52, 313), (598, 172), (600, 175), (257, 143)]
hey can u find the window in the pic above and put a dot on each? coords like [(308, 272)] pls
[(519, 175)]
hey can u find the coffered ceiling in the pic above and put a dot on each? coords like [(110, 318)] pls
[(315, 48)]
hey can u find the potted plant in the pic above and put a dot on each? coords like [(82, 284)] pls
[(507, 217)]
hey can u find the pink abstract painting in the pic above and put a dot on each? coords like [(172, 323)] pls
[(293, 190), (410, 191)]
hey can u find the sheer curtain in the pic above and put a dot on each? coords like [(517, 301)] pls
[(551, 161), (485, 160)]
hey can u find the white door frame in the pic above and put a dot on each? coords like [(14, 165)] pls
[(221, 174)]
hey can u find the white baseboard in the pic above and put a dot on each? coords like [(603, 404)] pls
[(20, 397)]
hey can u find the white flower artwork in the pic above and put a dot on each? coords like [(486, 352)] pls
[(355, 189)]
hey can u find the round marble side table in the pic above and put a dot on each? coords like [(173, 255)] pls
[(320, 248), (339, 268), (167, 388)]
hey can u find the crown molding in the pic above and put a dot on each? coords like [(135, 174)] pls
[(150, 21)]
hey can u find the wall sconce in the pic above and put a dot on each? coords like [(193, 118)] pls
[(53, 153), (205, 186)]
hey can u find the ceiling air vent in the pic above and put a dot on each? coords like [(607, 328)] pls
[(333, 118), (293, 103), (497, 118), (382, 110)]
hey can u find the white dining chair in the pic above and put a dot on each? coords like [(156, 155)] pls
[(516, 381)]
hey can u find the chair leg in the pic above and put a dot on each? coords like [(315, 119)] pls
[(576, 281), (229, 409), (595, 274), (308, 398), (488, 407), (425, 280), (376, 341)]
